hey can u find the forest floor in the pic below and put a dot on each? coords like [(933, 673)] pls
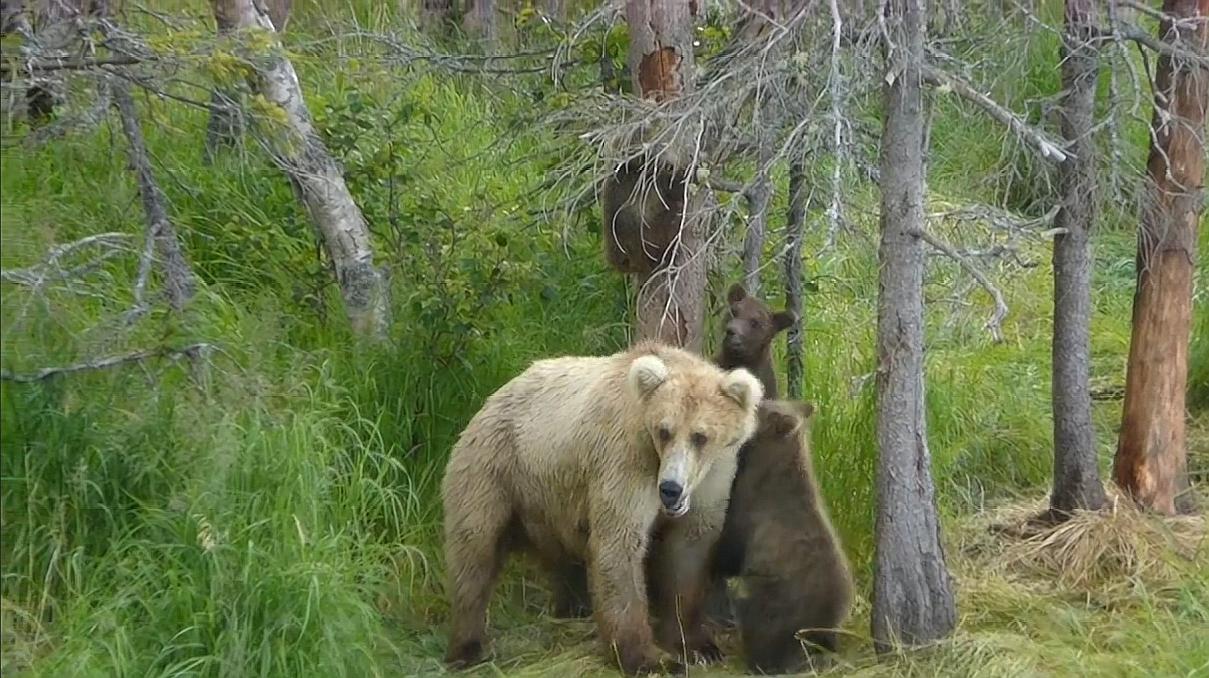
[(1115, 593)]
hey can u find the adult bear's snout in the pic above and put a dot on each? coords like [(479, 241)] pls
[(670, 492)]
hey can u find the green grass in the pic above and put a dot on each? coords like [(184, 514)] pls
[(274, 511)]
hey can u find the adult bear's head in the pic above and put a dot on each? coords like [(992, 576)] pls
[(695, 414)]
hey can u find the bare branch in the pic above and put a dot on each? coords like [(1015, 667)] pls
[(1135, 34), (49, 65), (191, 351), (1048, 148), (995, 323), (178, 276)]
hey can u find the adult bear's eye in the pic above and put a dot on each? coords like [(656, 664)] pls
[(754, 323), (699, 440), (665, 434)]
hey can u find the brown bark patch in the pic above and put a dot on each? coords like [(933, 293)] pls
[(659, 74)]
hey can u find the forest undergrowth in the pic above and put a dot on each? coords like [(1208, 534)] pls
[(269, 504)]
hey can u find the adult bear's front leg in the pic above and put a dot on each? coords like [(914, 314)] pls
[(679, 566), (617, 546)]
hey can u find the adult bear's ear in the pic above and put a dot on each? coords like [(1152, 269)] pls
[(743, 388), (735, 294), (646, 374), (781, 320)]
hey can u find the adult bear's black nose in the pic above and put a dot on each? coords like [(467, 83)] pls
[(669, 493)]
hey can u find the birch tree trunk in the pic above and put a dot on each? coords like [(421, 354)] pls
[(1076, 479), (318, 181), (912, 592), (671, 300), (1151, 459)]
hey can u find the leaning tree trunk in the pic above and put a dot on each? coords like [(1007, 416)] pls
[(1076, 479), (912, 592), (1151, 455), (318, 181), (795, 374), (671, 300)]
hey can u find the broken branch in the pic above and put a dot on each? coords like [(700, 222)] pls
[(995, 323), (190, 351), (1048, 148)]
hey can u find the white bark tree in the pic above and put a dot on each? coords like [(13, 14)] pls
[(318, 179)]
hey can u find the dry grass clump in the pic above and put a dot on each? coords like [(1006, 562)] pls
[(1108, 552)]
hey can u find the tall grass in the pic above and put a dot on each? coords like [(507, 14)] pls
[(272, 509)]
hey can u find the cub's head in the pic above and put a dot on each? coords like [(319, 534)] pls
[(782, 419), (751, 327), (695, 414)]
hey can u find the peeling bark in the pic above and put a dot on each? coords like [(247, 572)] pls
[(1151, 459), (318, 181), (913, 600), (671, 301)]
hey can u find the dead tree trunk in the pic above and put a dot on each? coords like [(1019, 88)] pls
[(54, 36), (1151, 457), (226, 124), (179, 281), (757, 224), (795, 226), (912, 592), (226, 120), (671, 300), (478, 20), (1076, 479), (319, 182), (436, 15)]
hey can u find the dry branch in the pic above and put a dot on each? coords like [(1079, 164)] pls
[(191, 351), (178, 276), (1048, 148), (44, 65), (995, 323)]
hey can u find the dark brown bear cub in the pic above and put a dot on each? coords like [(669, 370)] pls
[(747, 341), (794, 576)]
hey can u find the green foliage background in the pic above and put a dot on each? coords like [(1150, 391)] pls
[(277, 513)]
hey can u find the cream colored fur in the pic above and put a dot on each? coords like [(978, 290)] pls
[(565, 460)]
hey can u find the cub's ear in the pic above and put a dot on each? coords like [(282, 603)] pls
[(804, 409), (646, 374), (735, 294), (784, 418), (781, 320), (742, 387)]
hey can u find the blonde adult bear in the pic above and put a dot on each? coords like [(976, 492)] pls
[(583, 459)]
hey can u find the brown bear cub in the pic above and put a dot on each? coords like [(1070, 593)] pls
[(793, 573), (747, 341), (643, 205)]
